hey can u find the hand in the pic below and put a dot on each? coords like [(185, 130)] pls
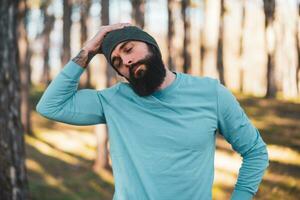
[(92, 46)]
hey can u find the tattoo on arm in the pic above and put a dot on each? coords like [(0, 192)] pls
[(83, 58)]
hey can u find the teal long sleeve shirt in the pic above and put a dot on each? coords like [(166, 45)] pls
[(162, 146)]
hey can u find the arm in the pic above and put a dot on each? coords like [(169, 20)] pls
[(64, 103), (245, 139)]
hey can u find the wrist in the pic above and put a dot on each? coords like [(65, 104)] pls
[(83, 57), (88, 51)]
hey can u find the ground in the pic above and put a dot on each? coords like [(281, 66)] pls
[(60, 157)]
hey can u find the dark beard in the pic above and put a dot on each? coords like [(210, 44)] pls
[(152, 77)]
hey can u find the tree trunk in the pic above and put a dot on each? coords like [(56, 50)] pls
[(298, 51), (242, 66), (138, 12), (209, 38), (170, 35), (220, 63), (102, 157), (24, 64), (269, 10), (84, 14), (202, 41), (13, 177), (185, 4), (48, 26), (66, 52)]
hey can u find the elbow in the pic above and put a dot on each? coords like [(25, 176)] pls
[(264, 157), (42, 109)]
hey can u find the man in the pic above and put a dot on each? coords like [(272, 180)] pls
[(162, 124)]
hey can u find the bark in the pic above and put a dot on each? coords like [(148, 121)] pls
[(48, 26), (138, 12), (220, 63), (102, 157), (84, 14), (209, 38), (66, 51), (298, 51), (170, 35), (13, 177), (269, 10), (241, 53), (202, 43), (185, 4), (24, 64)]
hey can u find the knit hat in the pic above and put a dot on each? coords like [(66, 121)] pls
[(113, 38)]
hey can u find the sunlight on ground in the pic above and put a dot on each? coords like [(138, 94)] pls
[(227, 167), (76, 147), (48, 150), (81, 143), (50, 180), (283, 155), (62, 145), (37, 168)]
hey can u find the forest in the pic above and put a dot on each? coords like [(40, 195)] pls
[(251, 46)]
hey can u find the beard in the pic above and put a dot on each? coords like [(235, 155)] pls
[(149, 78)]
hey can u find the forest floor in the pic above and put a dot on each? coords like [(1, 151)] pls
[(60, 157)]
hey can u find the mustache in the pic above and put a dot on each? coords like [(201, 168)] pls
[(140, 62)]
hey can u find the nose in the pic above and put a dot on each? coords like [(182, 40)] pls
[(127, 60)]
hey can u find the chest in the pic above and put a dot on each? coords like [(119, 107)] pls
[(190, 126)]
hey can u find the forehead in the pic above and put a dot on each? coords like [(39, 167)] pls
[(117, 49), (118, 46)]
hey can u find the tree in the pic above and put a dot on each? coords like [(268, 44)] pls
[(203, 40), (220, 63), (185, 4), (138, 12), (48, 26), (242, 47), (298, 50), (24, 63), (13, 177), (67, 22), (84, 13), (170, 34), (102, 157), (269, 10)]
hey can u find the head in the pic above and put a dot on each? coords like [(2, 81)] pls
[(135, 55)]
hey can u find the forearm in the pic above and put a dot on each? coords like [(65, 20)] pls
[(83, 57), (245, 139), (255, 162), (61, 88)]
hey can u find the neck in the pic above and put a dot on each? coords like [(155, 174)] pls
[(170, 77)]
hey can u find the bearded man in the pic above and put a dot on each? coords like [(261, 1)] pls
[(162, 123)]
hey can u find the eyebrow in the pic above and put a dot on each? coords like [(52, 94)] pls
[(121, 47)]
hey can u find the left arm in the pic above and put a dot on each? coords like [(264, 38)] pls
[(245, 139)]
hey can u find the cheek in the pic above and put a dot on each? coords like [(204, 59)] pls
[(124, 71)]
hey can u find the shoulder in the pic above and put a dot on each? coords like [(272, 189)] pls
[(120, 89), (201, 81)]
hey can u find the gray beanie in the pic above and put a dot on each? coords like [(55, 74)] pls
[(113, 38)]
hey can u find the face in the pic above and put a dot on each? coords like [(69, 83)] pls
[(141, 64)]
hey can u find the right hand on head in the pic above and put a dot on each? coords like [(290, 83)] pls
[(93, 45)]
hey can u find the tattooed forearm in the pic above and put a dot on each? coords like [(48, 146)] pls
[(83, 58)]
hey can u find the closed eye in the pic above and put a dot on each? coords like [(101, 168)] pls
[(128, 50)]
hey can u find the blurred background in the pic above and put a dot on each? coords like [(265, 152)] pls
[(251, 46)]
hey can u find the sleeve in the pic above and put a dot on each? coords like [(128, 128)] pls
[(245, 139), (64, 103)]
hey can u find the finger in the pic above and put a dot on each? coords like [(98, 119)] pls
[(121, 25)]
